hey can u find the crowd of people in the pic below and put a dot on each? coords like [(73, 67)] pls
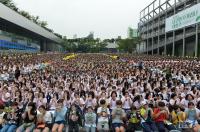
[(98, 92)]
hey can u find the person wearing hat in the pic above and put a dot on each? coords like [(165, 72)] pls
[(146, 116), (60, 115)]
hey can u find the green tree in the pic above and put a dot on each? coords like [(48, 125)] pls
[(84, 45), (128, 45), (43, 24), (10, 4), (69, 45), (35, 19), (6, 2), (26, 14)]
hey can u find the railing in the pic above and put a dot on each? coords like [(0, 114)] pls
[(162, 21), (12, 45), (180, 36), (18, 37), (178, 4), (170, 40), (162, 43), (162, 31)]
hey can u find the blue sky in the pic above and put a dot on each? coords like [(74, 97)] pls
[(106, 18)]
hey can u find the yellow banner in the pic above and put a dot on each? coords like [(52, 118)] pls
[(70, 57), (114, 57)]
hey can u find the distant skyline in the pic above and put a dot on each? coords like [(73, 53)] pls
[(106, 18)]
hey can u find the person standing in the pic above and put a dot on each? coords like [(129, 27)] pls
[(17, 73)]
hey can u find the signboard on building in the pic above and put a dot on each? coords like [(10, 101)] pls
[(184, 18)]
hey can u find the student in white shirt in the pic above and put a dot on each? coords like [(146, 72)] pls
[(113, 100), (127, 102), (91, 101), (44, 123), (174, 100), (67, 100), (78, 101), (188, 98)]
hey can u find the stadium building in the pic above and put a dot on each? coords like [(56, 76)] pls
[(170, 27), (20, 34)]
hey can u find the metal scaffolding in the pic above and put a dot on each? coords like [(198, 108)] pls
[(152, 29)]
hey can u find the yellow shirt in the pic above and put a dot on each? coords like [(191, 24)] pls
[(177, 117), (143, 111), (134, 118)]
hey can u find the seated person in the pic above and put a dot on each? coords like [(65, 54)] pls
[(178, 116), (134, 121), (103, 117), (192, 115), (161, 115), (60, 115), (29, 117), (44, 120), (118, 115), (12, 118), (74, 118), (90, 120), (147, 121)]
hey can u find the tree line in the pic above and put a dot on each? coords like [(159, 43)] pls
[(97, 45)]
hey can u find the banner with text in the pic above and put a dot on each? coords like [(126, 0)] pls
[(184, 18)]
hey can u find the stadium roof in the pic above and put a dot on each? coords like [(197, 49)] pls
[(14, 17)]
